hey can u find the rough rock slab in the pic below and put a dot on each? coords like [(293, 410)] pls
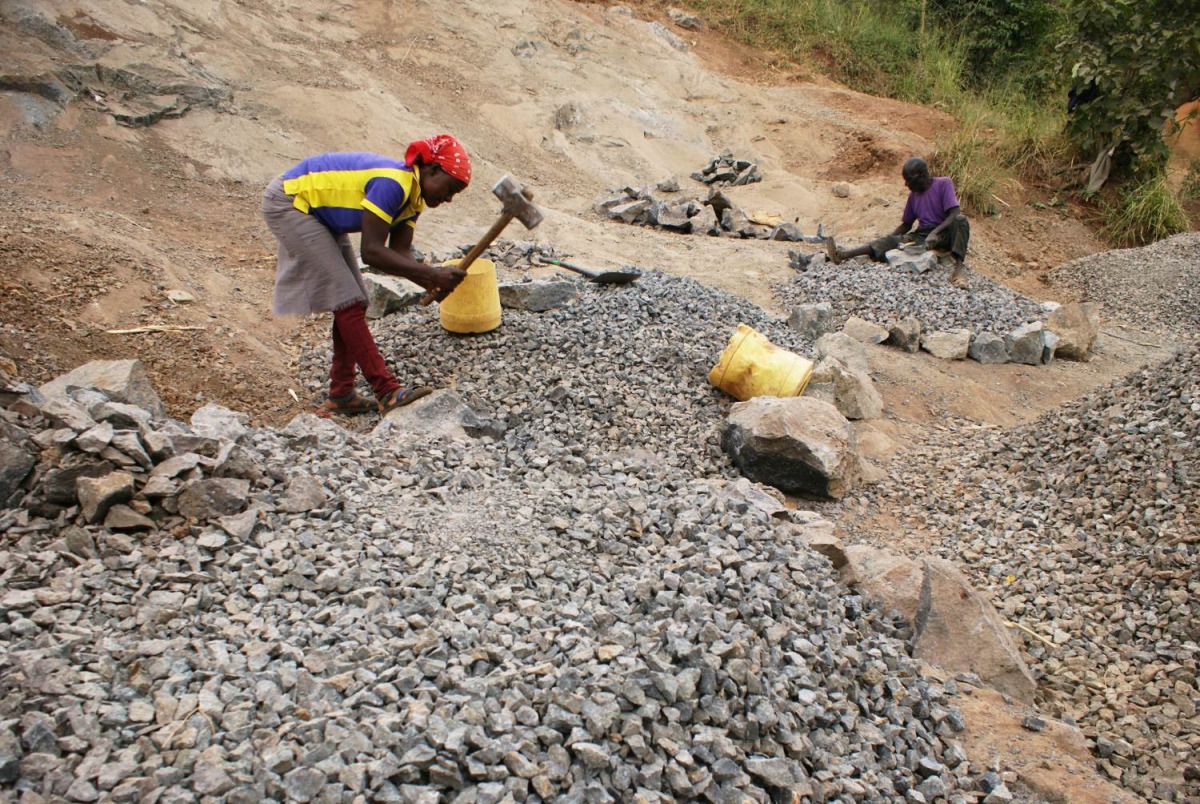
[(441, 416), (389, 294), (865, 331), (214, 497), (958, 629), (988, 348), (98, 494), (121, 380), (812, 320), (537, 296), (947, 345), (891, 580), (16, 462), (796, 444), (1077, 326), (1026, 344), (905, 334), (214, 421), (851, 353), (914, 262), (304, 493)]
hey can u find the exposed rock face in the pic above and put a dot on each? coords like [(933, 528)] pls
[(1077, 325), (853, 393), (796, 444), (120, 380), (97, 495), (893, 580)]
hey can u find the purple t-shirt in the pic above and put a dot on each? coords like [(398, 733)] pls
[(931, 206)]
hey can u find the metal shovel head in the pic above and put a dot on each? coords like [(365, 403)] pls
[(603, 278)]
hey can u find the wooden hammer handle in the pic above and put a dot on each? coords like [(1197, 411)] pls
[(476, 250), (480, 247)]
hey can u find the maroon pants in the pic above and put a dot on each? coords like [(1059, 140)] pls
[(354, 346)]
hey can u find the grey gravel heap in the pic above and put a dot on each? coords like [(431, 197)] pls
[(877, 293), (562, 612), (1157, 286), (1083, 527), (622, 368), (515, 254)]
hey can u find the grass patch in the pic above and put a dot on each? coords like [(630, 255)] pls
[(1189, 189), (1144, 212)]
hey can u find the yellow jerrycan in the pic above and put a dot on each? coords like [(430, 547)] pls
[(473, 306), (752, 366)]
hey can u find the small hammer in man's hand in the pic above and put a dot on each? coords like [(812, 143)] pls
[(517, 202)]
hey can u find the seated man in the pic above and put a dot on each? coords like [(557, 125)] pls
[(931, 205)]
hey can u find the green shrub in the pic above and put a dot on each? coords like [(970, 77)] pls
[(1145, 212)]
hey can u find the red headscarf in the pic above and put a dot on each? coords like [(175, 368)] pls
[(443, 150)]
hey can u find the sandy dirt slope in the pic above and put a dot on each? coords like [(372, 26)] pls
[(100, 219)]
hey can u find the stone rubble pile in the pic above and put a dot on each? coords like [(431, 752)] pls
[(727, 171), (1156, 287), (987, 322), (715, 215), (473, 621), (1083, 527)]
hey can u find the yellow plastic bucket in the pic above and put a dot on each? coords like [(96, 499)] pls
[(752, 366), (473, 306)]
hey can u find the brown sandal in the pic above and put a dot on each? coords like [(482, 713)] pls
[(401, 397), (350, 405)]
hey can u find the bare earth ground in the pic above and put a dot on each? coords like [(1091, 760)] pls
[(100, 220)]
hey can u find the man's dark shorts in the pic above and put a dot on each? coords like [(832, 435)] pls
[(954, 238)]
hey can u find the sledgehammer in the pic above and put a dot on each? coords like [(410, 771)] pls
[(517, 202)]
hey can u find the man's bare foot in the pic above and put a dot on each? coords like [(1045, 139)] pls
[(958, 277), (831, 251)]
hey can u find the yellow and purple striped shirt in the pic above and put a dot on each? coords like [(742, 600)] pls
[(336, 188)]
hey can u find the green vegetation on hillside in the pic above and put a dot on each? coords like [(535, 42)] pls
[(1004, 68)]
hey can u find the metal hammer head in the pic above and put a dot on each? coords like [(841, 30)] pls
[(518, 201)]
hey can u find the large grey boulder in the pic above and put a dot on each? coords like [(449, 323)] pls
[(853, 393), (840, 346), (441, 416), (1077, 326), (120, 380), (988, 348), (947, 345), (1026, 344), (796, 444), (537, 296), (954, 627), (958, 629), (705, 222), (905, 334), (390, 294), (865, 331), (812, 320)]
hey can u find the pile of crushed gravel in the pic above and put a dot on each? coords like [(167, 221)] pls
[(877, 293), (1156, 287), (620, 368), (569, 610), (1085, 528)]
